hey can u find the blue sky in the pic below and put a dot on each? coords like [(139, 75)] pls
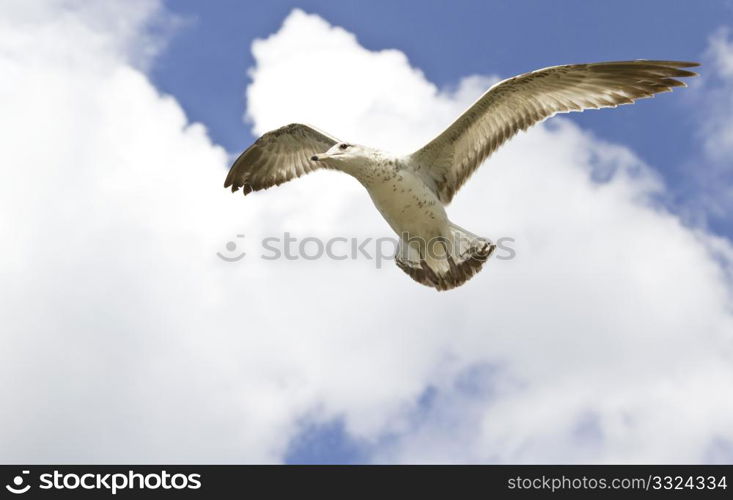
[(205, 65), (127, 340)]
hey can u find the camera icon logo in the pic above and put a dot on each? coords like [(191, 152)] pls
[(18, 489)]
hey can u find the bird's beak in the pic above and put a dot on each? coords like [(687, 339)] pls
[(323, 156)]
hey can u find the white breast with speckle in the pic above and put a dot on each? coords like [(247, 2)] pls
[(406, 202)]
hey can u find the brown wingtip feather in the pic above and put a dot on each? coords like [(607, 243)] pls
[(234, 178), (684, 64), (677, 72), (229, 181), (676, 64)]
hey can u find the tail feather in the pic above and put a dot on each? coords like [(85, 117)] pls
[(444, 263)]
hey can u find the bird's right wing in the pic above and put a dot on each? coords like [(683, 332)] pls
[(277, 157), (514, 104)]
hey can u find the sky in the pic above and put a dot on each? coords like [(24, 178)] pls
[(126, 339)]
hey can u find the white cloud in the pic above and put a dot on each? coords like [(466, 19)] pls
[(713, 171), (126, 339), (718, 127)]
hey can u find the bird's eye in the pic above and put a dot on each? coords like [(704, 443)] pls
[(343, 146)]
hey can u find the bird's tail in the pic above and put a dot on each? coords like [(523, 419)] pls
[(446, 262)]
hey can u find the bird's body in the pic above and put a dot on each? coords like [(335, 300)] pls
[(407, 204), (411, 191), (432, 250)]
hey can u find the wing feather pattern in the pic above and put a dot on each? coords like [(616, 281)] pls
[(515, 104), (278, 156)]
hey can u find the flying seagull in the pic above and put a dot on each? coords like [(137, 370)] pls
[(411, 191)]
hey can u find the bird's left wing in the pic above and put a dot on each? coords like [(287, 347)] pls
[(514, 104), (277, 157)]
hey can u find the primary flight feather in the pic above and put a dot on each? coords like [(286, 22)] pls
[(411, 191)]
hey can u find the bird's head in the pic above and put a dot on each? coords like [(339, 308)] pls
[(343, 152)]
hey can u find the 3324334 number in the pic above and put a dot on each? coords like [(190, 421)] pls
[(689, 483)]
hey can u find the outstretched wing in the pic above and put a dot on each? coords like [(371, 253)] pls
[(277, 157), (515, 104)]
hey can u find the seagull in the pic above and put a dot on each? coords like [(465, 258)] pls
[(412, 191)]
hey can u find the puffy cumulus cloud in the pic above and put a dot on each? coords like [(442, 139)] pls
[(111, 214), (119, 31), (126, 339), (364, 90)]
